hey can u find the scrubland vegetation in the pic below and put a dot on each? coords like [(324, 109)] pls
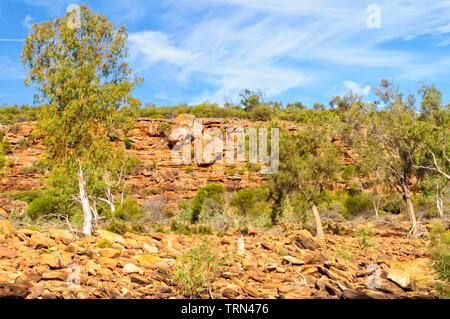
[(399, 143)]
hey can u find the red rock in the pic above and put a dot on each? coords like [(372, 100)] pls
[(7, 253)]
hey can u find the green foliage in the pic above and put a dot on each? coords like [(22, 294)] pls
[(251, 99), (165, 127), (82, 75), (180, 228), (262, 113), (127, 143), (151, 191), (348, 172), (104, 243), (43, 206), (196, 268), (394, 204), (210, 191), (345, 252), (128, 210), (28, 196), (5, 146), (363, 233), (230, 170), (169, 213), (357, 204), (118, 226), (440, 251), (14, 114), (251, 202), (333, 228), (188, 169), (309, 164)]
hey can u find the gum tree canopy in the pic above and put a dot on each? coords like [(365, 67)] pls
[(80, 71)]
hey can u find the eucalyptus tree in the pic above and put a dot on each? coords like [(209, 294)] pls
[(397, 136), (309, 165), (81, 73)]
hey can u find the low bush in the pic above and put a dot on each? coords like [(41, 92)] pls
[(251, 202), (196, 269), (128, 210), (210, 191), (440, 251), (128, 144), (357, 204), (180, 228), (42, 206)]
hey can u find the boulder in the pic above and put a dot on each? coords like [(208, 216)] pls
[(7, 253), (61, 235), (401, 278), (132, 269), (304, 240), (107, 235), (13, 291), (292, 260), (107, 262), (109, 252), (52, 260), (6, 227)]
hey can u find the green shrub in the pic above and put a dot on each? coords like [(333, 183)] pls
[(230, 170), (129, 210), (188, 169), (344, 252), (348, 172), (5, 146), (104, 243), (151, 191), (14, 114), (357, 204), (394, 204), (212, 191), (261, 113), (196, 268), (77, 219), (28, 196), (43, 206), (364, 233), (180, 228), (169, 213), (165, 127), (118, 226), (440, 251), (212, 208), (254, 167), (127, 142), (251, 202)]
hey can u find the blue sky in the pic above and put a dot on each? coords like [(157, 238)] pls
[(190, 51)]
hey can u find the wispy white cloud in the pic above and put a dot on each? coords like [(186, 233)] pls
[(357, 88), (277, 45), (9, 70), (26, 23)]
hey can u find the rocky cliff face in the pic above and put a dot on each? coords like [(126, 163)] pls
[(157, 175)]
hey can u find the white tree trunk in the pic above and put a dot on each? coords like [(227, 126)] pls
[(375, 207), (87, 222), (440, 206), (410, 209), (318, 222), (439, 202)]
